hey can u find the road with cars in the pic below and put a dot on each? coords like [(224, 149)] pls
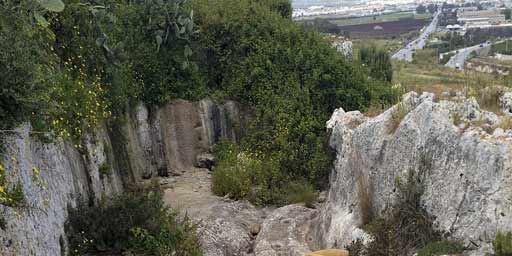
[(461, 55), (408, 51)]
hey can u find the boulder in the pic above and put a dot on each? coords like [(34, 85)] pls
[(205, 160), (505, 101)]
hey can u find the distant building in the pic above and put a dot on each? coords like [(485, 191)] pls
[(480, 18), (467, 9), (455, 27)]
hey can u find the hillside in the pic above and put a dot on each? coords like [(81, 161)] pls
[(206, 128)]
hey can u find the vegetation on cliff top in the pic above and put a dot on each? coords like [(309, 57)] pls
[(292, 79), (68, 69)]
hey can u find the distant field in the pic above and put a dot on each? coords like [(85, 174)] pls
[(438, 79), (383, 29), (380, 18), (503, 48), (390, 45)]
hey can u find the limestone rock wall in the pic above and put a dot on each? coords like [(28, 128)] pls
[(144, 144), (468, 180), (68, 175), (190, 128)]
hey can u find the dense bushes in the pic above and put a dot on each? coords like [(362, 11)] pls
[(292, 79), (136, 223), (93, 58), (256, 177), (26, 63), (72, 68), (141, 49)]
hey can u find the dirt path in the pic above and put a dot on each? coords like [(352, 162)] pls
[(223, 223), (191, 193)]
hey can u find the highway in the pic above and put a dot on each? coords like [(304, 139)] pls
[(457, 61), (407, 52)]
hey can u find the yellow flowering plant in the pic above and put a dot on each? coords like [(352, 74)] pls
[(11, 194)]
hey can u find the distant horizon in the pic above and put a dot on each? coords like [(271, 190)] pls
[(306, 3)]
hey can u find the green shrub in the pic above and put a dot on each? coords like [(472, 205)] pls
[(378, 63), (283, 7), (232, 176), (140, 49), (442, 248), (243, 175), (26, 64), (105, 170), (502, 244), (138, 223), (299, 192), (257, 178)]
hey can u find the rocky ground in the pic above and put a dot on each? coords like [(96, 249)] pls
[(229, 227)]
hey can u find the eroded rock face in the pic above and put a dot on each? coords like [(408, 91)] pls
[(67, 178), (191, 128), (468, 182), (146, 144)]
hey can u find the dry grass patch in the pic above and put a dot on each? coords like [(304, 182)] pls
[(397, 116), (488, 98), (457, 118), (505, 123), (375, 110)]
